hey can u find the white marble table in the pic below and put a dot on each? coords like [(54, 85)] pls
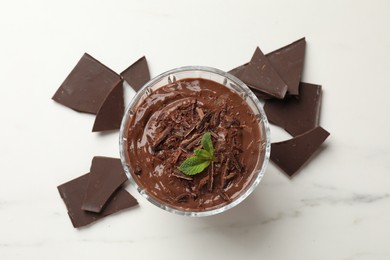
[(337, 207)]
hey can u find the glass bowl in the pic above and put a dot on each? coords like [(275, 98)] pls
[(222, 78)]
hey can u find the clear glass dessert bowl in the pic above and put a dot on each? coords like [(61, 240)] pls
[(230, 82)]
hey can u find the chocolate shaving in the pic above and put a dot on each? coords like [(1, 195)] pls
[(193, 143), (224, 172), (182, 176), (200, 112), (189, 131), (202, 122), (223, 195), (236, 163), (184, 197), (176, 156), (213, 134), (203, 182), (161, 138), (185, 142), (230, 176), (216, 119), (193, 108), (211, 175)]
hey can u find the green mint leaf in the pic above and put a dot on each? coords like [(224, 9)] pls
[(194, 165), (207, 144), (201, 159), (203, 154)]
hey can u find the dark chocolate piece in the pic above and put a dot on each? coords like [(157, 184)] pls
[(291, 154), (109, 116), (261, 75), (259, 94), (106, 175), (73, 192), (137, 74), (238, 70), (87, 86), (288, 62), (296, 114)]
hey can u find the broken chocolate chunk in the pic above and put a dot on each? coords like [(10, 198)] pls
[(259, 94), (137, 74), (238, 70), (109, 116), (87, 86), (106, 175), (296, 114), (261, 75), (288, 62), (291, 154), (73, 192)]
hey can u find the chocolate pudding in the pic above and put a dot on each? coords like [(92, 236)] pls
[(168, 126)]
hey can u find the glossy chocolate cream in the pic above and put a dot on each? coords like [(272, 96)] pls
[(168, 126)]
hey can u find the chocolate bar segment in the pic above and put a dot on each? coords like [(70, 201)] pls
[(261, 75), (137, 74), (288, 62), (106, 175), (86, 87), (109, 116), (290, 155), (238, 70), (296, 114), (73, 192)]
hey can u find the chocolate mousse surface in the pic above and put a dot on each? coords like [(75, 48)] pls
[(168, 126)]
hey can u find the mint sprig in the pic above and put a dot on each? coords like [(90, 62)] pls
[(201, 158)]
